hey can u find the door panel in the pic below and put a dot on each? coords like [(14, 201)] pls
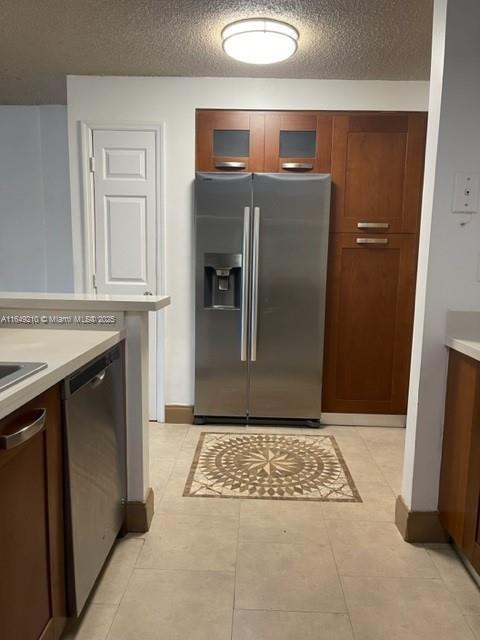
[(125, 203), (286, 377), (377, 171), (298, 142), (24, 543), (125, 211), (226, 137), (460, 439), (220, 374), (369, 324)]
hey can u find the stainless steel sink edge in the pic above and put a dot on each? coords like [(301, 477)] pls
[(21, 371)]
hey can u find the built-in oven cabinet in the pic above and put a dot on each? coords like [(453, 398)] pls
[(230, 141), (459, 497), (32, 568), (377, 172), (298, 142)]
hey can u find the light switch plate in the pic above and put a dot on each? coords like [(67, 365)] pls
[(465, 193)]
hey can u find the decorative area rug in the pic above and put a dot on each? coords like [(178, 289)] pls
[(270, 466)]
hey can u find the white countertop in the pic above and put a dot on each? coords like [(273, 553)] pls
[(469, 348), (463, 332), (64, 351), (78, 301)]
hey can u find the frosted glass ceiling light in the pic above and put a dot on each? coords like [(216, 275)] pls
[(259, 41)]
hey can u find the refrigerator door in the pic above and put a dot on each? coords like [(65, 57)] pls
[(289, 264), (222, 232)]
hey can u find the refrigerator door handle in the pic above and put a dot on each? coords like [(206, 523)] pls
[(245, 278), (254, 308)]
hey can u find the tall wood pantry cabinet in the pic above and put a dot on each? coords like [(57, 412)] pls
[(376, 161)]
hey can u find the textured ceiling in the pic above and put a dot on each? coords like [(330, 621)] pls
[(43, 40)]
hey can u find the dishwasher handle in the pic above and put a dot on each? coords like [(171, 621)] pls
[(97, 380), (92, 374)]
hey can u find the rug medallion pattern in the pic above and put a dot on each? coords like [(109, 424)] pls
[(270, 467)]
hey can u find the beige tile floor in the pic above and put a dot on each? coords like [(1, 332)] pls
[(225, 569)]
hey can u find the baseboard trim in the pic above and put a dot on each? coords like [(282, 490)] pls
[(418, 526), (139, 514), (363, 420), (178, 414), (183, 414)]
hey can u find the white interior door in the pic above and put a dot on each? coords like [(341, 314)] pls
[(124, 166)]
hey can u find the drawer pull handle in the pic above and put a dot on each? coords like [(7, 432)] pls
[(18, 432), (372, 240), (297, 166), (373, 225), (230, 165)]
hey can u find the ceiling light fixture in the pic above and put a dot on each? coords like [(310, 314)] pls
[(260, 41)]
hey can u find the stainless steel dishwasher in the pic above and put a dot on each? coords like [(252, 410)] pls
[(94, 414)]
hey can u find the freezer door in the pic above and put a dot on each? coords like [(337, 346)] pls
[(289, 264), (222, 232)]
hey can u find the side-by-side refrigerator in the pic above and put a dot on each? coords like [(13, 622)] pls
[(261, 262)]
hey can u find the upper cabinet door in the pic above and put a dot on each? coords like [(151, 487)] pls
[(298, 142), (230, 141), (377, 172)]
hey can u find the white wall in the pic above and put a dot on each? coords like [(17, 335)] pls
[(449, 253), (107, 100), (35, 220)]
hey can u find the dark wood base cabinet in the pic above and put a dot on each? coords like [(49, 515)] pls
[(370, 299), (32, 571), (459, 498)]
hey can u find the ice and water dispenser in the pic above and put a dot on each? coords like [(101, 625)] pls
[(222, 280)]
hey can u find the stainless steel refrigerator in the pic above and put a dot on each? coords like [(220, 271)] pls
[(261, 261)]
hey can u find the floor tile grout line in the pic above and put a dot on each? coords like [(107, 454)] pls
[(368, 444), (381, 470), (126, 587), (112, 621), (236, 567), (306, 611), (354, 635)]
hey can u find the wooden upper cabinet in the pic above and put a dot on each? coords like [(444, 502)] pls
[(298, 142), (230, 141), (370, 298), (377, 172)]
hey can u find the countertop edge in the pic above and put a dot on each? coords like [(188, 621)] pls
[(470, 348), (43, 380), (90, 304)]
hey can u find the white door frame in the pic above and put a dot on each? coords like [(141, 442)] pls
[(88, 225)]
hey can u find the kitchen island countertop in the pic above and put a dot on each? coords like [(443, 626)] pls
[(64, 351)]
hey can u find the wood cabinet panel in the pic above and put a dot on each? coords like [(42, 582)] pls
[(370, 297), (218, 140), (298, 138), (377, 171), (32, 588), (24, 585), (461, 413), (459, 495)]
